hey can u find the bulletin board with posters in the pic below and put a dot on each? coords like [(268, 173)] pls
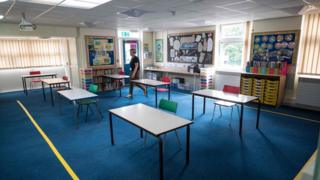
[(100, 50), (194, 47), (279, 46)]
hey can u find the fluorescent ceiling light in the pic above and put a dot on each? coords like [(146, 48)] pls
[(3, 1), (1, 17), (81, 4)]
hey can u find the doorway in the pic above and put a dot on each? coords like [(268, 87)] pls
[(127, 45)]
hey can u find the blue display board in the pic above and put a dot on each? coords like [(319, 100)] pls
[(275, 46), (100, 50)]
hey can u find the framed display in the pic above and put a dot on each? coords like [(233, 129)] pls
[(194, 47), (100, 50), (279, 46), (159, 50)]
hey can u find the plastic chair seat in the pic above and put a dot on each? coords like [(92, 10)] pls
[(225, 103), (36, 80)]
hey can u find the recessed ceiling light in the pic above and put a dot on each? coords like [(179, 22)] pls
[(1, 17), (81, 4)]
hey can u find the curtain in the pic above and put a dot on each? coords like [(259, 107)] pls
[(309, 57), (25, 53)]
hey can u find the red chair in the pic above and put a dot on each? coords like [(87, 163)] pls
[(34, 80), (227, 89), (164, 79)]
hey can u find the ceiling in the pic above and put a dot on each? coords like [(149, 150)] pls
[(157, 14)]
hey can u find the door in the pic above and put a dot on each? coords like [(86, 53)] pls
[(127, 45)]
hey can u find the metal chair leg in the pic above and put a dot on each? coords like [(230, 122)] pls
[(78, 111), (214, 110), (231, 115), (87, 112), (177, 135), (238, 111)]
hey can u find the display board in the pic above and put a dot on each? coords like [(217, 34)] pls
[(100, 50), (194, 47), (159, 50), (275, 46)]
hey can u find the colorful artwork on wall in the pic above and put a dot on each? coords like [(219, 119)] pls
[(100, 50), (159, 50), (275, 46), (194, 47)]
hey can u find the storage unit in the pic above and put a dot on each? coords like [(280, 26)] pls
[(268, 88), (86, 77), (98, 79), (206, 78)]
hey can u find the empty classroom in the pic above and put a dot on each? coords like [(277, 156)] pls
[(160, 89)]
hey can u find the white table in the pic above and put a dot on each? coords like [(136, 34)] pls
[(26, 76), (155, 84), (52, 82), (116, 77), (76, 94), (153, 121), (220, 95)]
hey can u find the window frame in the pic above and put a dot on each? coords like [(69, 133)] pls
[(232, 39)]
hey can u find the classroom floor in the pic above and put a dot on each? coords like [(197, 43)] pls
[(277, 151)]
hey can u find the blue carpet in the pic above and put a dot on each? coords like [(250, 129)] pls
[(277, 151)]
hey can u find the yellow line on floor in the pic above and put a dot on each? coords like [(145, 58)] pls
[(52, 147), (284, 114)]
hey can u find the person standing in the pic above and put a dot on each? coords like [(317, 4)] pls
[(135, 74)]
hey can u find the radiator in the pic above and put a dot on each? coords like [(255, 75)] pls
[(308, 92)]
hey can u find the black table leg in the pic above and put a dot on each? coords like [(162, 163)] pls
[(161, 157), (51, 94), (44, 95), (119, 84), (169, 92), (188, 145), (192, 116), (25, 86), (68, 85), (111, 128), (156, 94), (204, 105), (76, 113), (241, 120), (141, 133), (258, 114)]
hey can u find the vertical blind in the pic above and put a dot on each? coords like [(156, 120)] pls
[(310, 45), (25, 53)]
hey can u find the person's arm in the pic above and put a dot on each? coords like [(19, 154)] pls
[(136, 65)]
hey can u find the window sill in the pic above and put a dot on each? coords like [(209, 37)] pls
[(228, 71), (309, 76)]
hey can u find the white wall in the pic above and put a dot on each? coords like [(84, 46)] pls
[(77, 56), (11, 80)]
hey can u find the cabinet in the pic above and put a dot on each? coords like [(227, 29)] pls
[(86, 77), (268, 88)]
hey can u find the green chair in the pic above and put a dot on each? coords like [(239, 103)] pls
[(169, 106), (87, 102)]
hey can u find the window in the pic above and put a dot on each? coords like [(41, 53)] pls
[(25, 53), (231, 45), (309, 53)]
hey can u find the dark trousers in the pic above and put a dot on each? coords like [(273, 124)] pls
[(133, 84)]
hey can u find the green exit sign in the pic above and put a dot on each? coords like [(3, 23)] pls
[(125, 34)]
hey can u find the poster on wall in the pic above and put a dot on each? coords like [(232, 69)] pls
[(100, 50), (159, 50), (194, 47), (275, 46)]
